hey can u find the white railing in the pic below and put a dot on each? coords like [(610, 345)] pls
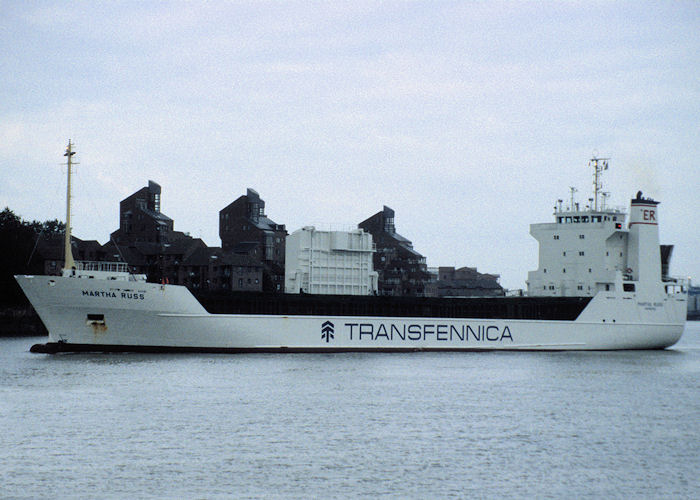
[(674, 285), (108, 267)]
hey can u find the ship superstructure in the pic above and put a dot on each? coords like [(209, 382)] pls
[(593, 249)]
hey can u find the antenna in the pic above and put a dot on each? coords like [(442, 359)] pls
[(573, 190), (599, 165)]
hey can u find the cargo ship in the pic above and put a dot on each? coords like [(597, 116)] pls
[(600, 285)]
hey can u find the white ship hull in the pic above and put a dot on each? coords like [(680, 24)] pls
[(100, 315)]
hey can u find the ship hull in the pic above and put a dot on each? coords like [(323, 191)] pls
[(100, 316)]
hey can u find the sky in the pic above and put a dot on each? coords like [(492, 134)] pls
[(469, 119)]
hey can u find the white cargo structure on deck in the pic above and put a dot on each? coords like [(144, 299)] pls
[(329, 262)]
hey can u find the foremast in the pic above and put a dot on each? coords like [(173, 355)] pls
[(69, 263)]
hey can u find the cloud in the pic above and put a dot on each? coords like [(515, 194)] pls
[(469, 119)]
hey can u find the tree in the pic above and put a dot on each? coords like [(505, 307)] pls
[(17, 241)]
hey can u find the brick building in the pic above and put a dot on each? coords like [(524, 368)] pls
[(147, 241), (465, 282), (245, 230), (401, 270), (140, 218)]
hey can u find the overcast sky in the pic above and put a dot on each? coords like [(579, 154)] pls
[(469, 119)]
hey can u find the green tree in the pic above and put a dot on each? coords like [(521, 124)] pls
[(17, 241)]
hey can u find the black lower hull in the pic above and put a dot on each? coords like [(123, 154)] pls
[(65, 347)]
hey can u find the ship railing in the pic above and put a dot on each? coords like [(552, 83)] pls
[(675, 284), (107, 267), (103, 271)]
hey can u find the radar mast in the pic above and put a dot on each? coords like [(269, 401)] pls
[(599, 165)]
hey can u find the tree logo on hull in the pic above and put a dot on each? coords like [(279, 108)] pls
[(327, 331)]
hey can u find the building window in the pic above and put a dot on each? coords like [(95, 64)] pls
[(564, 254), (563, 270), (628, 287), (581, 254), (556, 236), (581, 236), (580, 287)]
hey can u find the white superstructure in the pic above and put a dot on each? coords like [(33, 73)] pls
[(329, 262), (580, 254), (591, 250)]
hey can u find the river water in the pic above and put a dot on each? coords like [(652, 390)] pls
[(398, 425)]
